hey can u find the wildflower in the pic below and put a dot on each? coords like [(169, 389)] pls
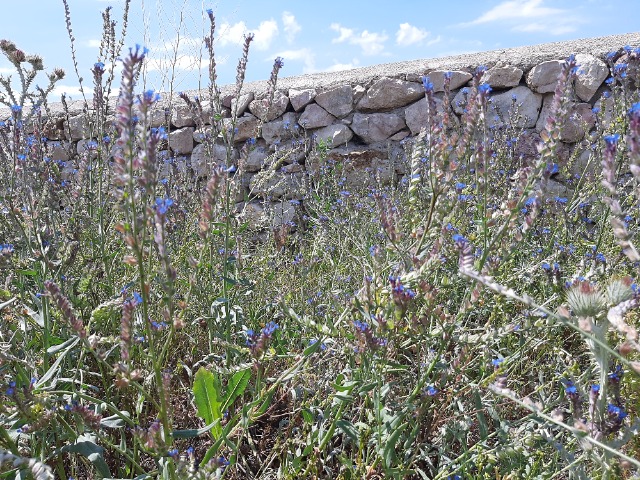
[(426, 83), (162, 205), (430, 390), (616, 411), (16, 108), (496, 362), (571, 389), (484, 89)]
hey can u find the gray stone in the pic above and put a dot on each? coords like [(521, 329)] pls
[(336, 134), (182, 116), (255, 159), (157, 118), (337, 101), (181, 141), (275, 214), (591, 73), (202, 162), (502, 76), (266, 111), (81, 148), (362, 166), (605, 106), (358, 93), (543, 77), (277, 185), (301, 98), (279, 130), (246, 127), (78, 126), (580, 120), (416, 115), (376, 127), (388, 93), (528, 107), (59, 150), (202, 135), (242, 104), (459, 101), (458, 79), (314, 116)]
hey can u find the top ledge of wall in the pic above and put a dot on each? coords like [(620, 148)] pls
[(524, 58)]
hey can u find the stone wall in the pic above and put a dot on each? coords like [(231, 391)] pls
[(365, 115)]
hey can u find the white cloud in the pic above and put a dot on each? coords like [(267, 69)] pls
[(371, 43), (93, 43), (408, 34), (529, 16), (291, 26), (234, 34), (7, 70), (303, 54)]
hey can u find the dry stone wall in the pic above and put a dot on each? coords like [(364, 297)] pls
[(364, 116)]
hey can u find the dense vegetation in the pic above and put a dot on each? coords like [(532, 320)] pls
[(469, 320)]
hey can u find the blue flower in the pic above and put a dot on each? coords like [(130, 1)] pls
[(484, 89), (16, 108), (497, 361), (431, 390), (426, 83), (611, 139), (571, 389), (459, 238), (162, 205), (617, 411)]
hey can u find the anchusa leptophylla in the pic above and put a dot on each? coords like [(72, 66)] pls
[(258, 341), (402, 296), (367, 340), (64, 306)]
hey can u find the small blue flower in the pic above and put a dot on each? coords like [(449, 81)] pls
[(459, 238), (162, 205), (426, 83), (611, 139), (431, 390), (497, 361), (571, 389), (484, 89), (16, 108)]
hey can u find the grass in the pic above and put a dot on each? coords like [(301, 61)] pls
[(463, 321)]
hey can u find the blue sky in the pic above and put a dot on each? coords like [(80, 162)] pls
[(311, 36)]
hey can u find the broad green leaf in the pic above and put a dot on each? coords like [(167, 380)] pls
[(195, 432), (236, 387), (389, 452), (206, 390), (86, 447), (349, 430)]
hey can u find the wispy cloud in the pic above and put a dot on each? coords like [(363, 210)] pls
[(372, 43), (263, 35), (71, 91), (291, 26), (529, 16), (409, 34)]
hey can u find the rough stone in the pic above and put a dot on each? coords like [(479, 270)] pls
[(314, 116), (389, 93), (528, 103), (337, 101), (274, 215), (278, 185), (336, 134), (255, 159), (201, 162), (364, 167), (201, 135), (242, 103), (157, 118), (458, 79), (81, 148), (301, 98), (182, 116), (261, 108), (59, 151), (181, 141), (502, 76), (358, 93), (459, 101), (246, 127), (78, 126), (591, 73), (416, 115), (580, 120), (376, 127), (543, 77), (279, 130)]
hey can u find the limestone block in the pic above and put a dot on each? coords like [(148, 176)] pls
[(459, 101), (314, 116), (579, 121), (338, 101), (388, 93), (591, 73), (181, 116), (543, 77), (157, 118), (301, 98), (376, 127), (181, 141), (255, 159), (528, 103), (335, 135), (363, 166), (458, 79), (202, 135), (279, 130), (267, 112), (277, 185), (502, 76), (59, 150), (416, 114), (78, 126), (201, 161), (246, 127), (242, 103)]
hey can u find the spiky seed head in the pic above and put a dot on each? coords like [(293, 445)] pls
[(619, 290), (586, 300)]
